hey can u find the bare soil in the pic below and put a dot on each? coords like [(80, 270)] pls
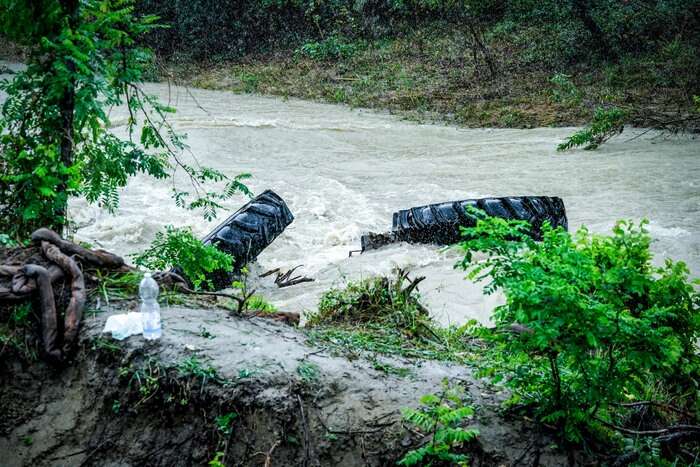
[(130, 403)]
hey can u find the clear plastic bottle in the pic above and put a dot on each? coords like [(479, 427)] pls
[(150, 309)]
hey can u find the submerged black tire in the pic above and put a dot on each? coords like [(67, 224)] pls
[(439, 223), (251, 229)]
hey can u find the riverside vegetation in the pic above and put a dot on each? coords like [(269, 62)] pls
[(508, 63), (594, 343)]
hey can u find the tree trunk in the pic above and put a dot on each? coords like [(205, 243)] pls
[(66, 109)]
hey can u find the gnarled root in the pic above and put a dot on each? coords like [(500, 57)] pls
[(99, 258), (74, 311), (29, 279), (49, 317)]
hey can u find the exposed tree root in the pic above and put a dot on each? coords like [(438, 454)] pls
[(30, 279), (97, 258), (74, 311), (49, 317)]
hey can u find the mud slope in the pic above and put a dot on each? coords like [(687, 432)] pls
[(130, 404)]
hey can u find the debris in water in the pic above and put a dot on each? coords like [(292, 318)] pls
[(248, 231), (440, 223)]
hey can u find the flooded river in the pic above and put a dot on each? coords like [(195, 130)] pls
[(343, 172)]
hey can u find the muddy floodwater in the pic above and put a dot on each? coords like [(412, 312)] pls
[(343, 172)]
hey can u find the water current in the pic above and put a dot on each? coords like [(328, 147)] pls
[(344, 172)]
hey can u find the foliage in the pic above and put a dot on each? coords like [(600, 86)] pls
[(308, 371), (558, 32), (218, 460), (83, 57), (381, 315), (606, 123), (7, 241), (180, 248), (331, 48), (441, 417), (192, 367), (120, 285), (588, 321), (564, 90), (224, 423), (259, 303), (17, 333), (380, 300), (245, 299)]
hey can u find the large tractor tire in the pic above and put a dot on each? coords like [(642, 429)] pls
[(248, 231), (439, 223)]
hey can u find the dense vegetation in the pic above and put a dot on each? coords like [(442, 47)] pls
[(593, 341), (82, 57), (590, 327), (508, 63)]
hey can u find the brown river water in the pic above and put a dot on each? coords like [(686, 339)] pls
[(344, 172)]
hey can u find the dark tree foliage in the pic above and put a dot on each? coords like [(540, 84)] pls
[(82, 59), (573, 29)]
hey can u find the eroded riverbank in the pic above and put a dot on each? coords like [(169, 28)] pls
[(295, 404)]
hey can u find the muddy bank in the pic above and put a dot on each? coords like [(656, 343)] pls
[(130, 404)]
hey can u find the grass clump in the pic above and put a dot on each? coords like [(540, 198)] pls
[(378, 301), (383, 315)]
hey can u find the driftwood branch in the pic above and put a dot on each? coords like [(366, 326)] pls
[(654, 433), (285, 279), (658, 404)]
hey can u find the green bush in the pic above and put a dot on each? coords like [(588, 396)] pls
[(377, 300), (564, 90), (179, 247), (588, 321), (331, 48)]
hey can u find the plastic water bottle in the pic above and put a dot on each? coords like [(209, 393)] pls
[(150, 309)]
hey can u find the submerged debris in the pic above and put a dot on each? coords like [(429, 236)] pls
[(440, 223), (248, 231)]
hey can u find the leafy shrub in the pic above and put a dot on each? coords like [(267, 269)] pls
[(7, 241), (179, 247), (331, 48), (588, 321), (441, 417), (564, 90), (606, 123)]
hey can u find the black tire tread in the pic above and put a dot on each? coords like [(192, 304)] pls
[(439, 223), (248, 231)]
